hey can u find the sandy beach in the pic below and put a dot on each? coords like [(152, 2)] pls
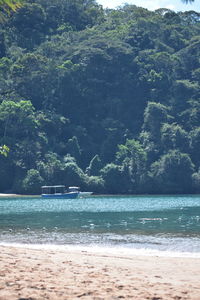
[(79, 274), (3, 195), (7, 195)]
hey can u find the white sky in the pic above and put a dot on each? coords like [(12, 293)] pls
[(176, 5)]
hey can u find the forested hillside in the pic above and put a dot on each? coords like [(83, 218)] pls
[(108, 100)]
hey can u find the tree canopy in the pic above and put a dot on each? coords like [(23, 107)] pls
[(107, 99)]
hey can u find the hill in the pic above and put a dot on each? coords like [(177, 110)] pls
[(104, 99)]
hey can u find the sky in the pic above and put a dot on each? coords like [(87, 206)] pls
[(176, 5)]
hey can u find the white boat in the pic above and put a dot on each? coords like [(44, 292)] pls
[(80, 194), (84, 194), (58, 191)]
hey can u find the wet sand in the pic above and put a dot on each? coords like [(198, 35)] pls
[(78, 274)]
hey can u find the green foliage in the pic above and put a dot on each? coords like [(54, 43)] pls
[(73, 148), (7, 6), (113, 178), (155, 115), (172, 173), (132, 150), (196, 181), (195, 145), (4, 150), (6, 170), (51, 169), (173, 136), (28, 22), (95, 184), (73, 175), (32, 182), (17, 121), (112, 92), (132, 157), (94, 166)]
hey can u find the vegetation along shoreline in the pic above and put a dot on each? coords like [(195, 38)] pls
[(103, 99)]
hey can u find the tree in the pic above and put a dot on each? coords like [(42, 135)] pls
[(113, 177), (195, 145), (132, 157), (31, 72), (183, 92), (4, 150), (17, 120), (94, 166), (19, 131), (196, 182), (29, 25), (155, 115), (95, 184), (9, 5), (77, 79), (173, 136), (73, 148), (149, 145), (172, 173), (6, 173), (73, 175), (51, 169), (32, 182)]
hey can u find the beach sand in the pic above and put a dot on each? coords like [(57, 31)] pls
[(40, 274), (7, 195), (4, 195)]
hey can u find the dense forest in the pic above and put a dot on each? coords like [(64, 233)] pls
[(108, 100)]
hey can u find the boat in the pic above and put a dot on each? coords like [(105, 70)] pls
[(84, 194), (80, 194), (58, 191)]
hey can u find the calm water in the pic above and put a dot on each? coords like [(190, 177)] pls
[(136, 223)]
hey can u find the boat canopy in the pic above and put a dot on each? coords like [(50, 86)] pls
[(73, 188), (53, 189), (52, 186)]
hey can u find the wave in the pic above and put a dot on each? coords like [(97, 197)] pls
[(116, 245)]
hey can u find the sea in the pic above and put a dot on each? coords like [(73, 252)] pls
[(145, 225)]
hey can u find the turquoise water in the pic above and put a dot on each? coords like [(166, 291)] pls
[(151, 223)]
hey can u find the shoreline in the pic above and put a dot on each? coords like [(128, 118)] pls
[(99, 249), (13, 195), (54, 274), (108, 195), (8, 195)]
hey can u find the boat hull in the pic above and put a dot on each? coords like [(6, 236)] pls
[(84, 194), (61, 196)]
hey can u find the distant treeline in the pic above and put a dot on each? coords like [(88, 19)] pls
[(108, 100)]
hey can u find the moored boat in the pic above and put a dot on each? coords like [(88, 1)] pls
[(58, 191), (84, 194), (80, 194)]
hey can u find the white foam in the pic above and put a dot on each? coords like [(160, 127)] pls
[(106, 250)]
